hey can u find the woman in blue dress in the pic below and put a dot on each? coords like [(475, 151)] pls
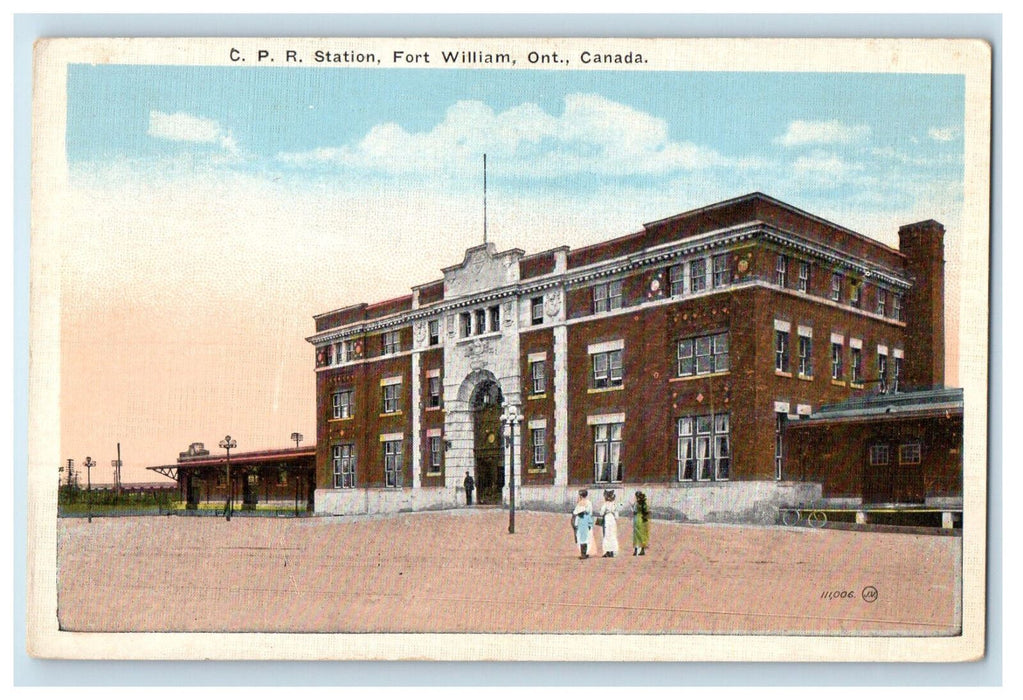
[(582, 521)]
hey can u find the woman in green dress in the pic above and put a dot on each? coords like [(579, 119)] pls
[(640, 525)]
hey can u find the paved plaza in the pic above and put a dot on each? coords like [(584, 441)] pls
[(460, 571)]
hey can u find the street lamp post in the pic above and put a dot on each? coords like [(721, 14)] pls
[(227, 443), (89, 464), (510, 418)]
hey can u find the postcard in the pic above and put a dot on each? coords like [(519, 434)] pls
[(509, 349)]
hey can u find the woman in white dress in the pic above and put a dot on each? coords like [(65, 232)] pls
[(609, 512)]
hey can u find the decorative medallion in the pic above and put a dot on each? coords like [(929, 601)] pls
[(552, 304), (699, 398), (655, 284), (743, 265), (491, 437)]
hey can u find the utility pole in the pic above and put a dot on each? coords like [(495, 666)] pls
[(227, 443), (116, 464), (89, 464)]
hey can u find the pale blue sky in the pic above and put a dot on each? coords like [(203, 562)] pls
[(835, 141)]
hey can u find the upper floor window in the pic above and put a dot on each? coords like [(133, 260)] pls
[(433, 392), (781, 351), (882, 370), (465, 324), (391, 342), (698, 275), (607, 296), (607, 369), (857, 366), (836, 361), (896, 373), (781, 270), (882, 301), (879, 456), (803, 283), (494, 313), (480, 325), (836, 286), (677, 280), (536, 310), (805, 356), (703, 355), (722, 271), (342, 404), (391, 398), (538, 375), (855, 290), (897, 307), (433, 330)]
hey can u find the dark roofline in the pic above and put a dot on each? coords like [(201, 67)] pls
[(781, 205)]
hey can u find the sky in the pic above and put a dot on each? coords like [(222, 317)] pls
[(214, 210)]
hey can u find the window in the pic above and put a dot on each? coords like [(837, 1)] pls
[(607, 296), (855, 289), (607, 369), (836, 361), (857, 366), (538, 373), (538, 438), (436, 449), (780, 418), (703, 355), (327, 354), (481, 322), (704, 451), (722, 273), (781, 270), (836, 286), (536, 310), (607, 453), (909, 453), (882, 371), (897, 376), (433, 392), (495, 318), (465, 324), (392, 463), (882, 302), (676, 277), (339, 353), (391, 342), (803, 284), (344, 466), (392, 396), (781, 351), (697, 275), (433, 329), (879, 455), (897, 307), (342, 404), (805, 356)]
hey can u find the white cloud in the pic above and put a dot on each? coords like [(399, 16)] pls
[(947, 134), (824, 165), (593, 135), (803, 133), (187, 127)]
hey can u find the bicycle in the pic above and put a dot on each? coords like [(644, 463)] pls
[(815, 518)]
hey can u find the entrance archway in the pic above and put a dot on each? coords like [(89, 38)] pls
[(488, 441)]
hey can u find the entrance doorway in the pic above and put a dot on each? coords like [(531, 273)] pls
[(488, 442)]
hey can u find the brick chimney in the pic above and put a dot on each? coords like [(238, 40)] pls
[(924, 305)]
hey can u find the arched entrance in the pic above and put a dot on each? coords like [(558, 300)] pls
[(488, 441)]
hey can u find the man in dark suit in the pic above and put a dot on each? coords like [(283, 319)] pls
[(470, 486)]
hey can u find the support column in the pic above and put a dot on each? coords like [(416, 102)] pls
[(417, 428), (560, 364)]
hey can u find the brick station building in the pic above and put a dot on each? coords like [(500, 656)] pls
[(668, 360)]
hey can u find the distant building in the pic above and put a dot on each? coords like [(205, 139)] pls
[(668, 360)]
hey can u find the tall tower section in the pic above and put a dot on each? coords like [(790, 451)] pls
[(923, 244)]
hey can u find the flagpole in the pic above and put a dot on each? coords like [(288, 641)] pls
[(484, 199)]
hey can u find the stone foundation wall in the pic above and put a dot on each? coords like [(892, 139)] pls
[(712, 502)]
